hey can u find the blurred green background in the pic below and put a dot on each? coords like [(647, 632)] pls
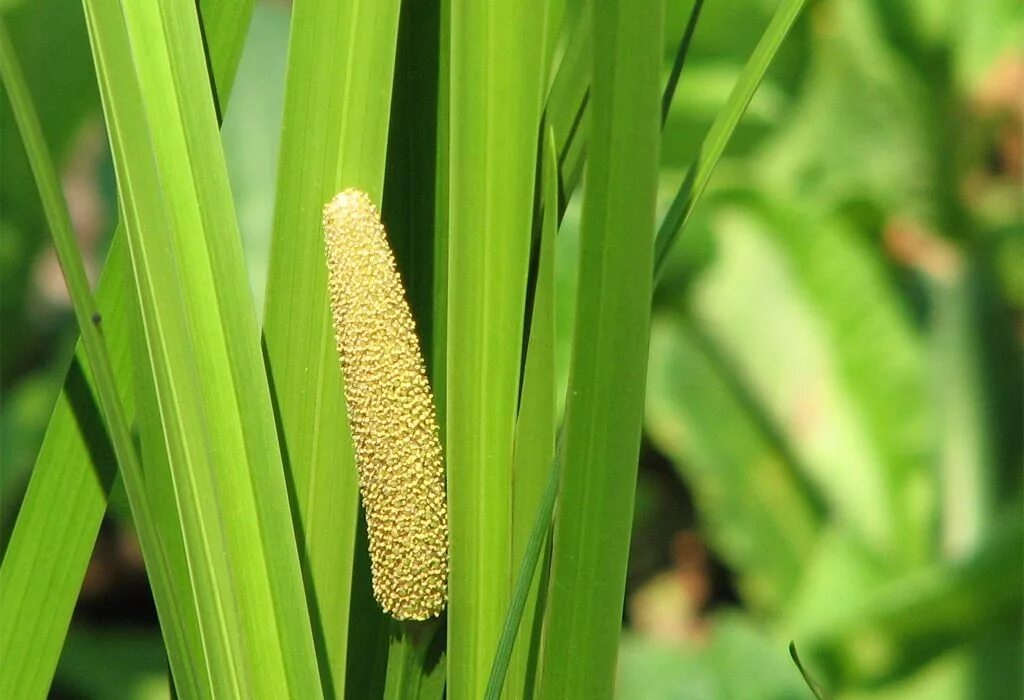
[(833, 451)]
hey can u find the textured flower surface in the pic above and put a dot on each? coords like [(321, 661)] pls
[(390, 412)]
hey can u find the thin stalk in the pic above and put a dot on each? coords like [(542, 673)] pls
[(812, 684), (539, 534), (677, 66), (721, 131)]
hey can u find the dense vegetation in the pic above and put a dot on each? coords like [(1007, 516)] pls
[(821, 411)]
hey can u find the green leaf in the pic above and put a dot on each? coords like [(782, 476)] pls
[(533, 462), (251, 134), (565, 109), (214, 412), (496, 85), (416, 665), (605, 404), (968, 408), (880, 360), (736, 661), (49, 549), (438, 352), (885, 629), (677, 65), (753, 501), (835, 364), (63, 90), (337, 105), (529, 590), (88, 318), (812, 684), (411, 185)]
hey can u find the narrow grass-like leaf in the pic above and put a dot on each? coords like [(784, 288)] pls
[(496, 84), (534, 454), (438, 353), (566, 107), (402, 679), (111, 48), (605, 403), (337, 101), (699, 174), (565, 110), (812, 684), (49, 549), (199, 324), (677, 65), (23, 676), (189, 660), (525, 585)]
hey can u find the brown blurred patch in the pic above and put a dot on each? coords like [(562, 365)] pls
[(116, 558), (1000, 96), (89, 217), (912, 244), (992, 182), (671, 606)]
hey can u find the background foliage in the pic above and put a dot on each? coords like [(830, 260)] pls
[(833, 443)]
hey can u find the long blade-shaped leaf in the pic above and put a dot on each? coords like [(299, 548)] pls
[(565, 110), (49, 548), (111, 47), (496, 86), (605, 404), (438, 352), (213, 404), (566, 107), (24, 673), (534, 453), (337, 104), (518, 650)]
